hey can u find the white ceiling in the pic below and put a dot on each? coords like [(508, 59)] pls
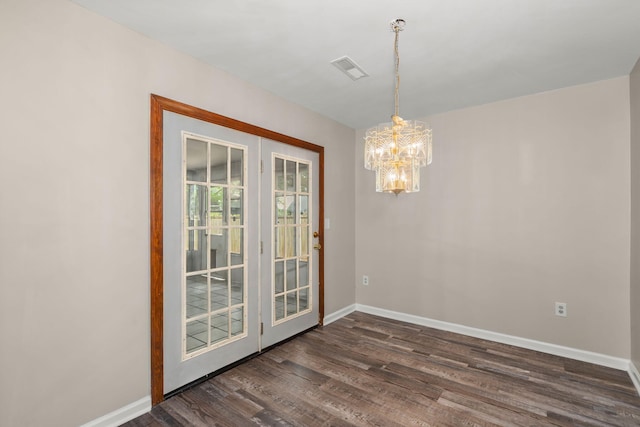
[(454, 53)]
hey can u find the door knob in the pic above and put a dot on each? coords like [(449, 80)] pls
[(317, 246), (316, 234)]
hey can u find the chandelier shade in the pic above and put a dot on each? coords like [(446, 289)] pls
[(397, 150)]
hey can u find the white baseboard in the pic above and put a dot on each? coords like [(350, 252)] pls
[(558, 350), (122, 415), (635, 376), (330, 318)]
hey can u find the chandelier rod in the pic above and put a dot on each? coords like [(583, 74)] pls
[(397, 25)]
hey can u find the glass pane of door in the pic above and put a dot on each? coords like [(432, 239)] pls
[(291, 238), (214, 274)]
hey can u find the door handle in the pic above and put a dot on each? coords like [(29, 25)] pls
[(317, 246), (316, 234)]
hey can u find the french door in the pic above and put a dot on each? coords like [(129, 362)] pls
[(239, 269), (290, 267)]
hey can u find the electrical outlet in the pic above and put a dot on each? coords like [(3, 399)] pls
[(365, 280), (561, 309)]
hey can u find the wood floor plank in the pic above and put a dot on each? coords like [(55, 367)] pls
[(282, 394), (364, 370)]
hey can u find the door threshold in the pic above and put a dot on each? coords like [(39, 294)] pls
[(233, 365)]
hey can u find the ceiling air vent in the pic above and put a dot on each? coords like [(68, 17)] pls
[(350, 68)]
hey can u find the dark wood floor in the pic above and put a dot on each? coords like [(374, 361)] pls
[(364, 370)]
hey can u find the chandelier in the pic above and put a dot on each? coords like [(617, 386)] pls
[(397, 150)]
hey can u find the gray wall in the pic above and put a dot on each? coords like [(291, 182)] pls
[(74, 177), (635, 215), (526, 203)]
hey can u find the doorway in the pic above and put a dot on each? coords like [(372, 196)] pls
[(244, 268)]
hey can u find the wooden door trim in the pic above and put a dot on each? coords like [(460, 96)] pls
[(159, 105)]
